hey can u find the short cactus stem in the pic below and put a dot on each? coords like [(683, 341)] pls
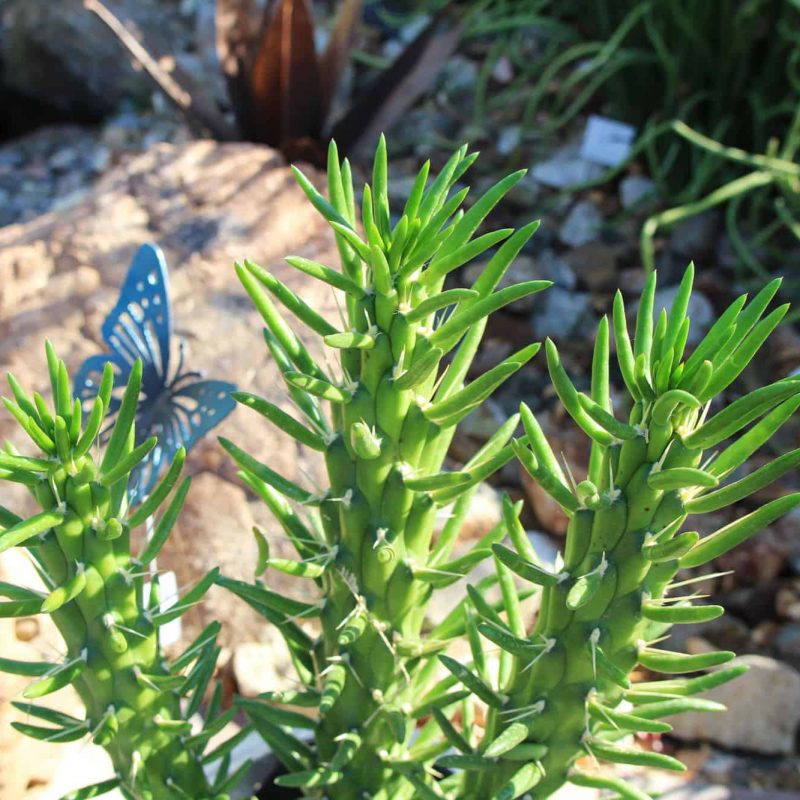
[(394, 408), (97, 596), (623, 546)]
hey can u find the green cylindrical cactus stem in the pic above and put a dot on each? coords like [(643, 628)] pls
[(96, 600), (622, 552), (384, 457)]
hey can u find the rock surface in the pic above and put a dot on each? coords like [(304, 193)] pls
[(65, 57), (770, 687)]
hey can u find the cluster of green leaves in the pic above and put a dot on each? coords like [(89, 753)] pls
[(386, 722), (564, 687), (105, 601), (383, 411)]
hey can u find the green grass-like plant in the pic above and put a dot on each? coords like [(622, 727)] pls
[(138, 704)]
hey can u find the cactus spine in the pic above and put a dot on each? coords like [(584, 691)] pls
[(394, 407), (95, 593), (615, 593)]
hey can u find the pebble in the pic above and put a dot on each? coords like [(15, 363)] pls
[(773, 686), (787, 643), (546, 548), (399, 188), (787, 601), (561, 312), (582, 224), (633, 189), (508, 140), (554, 268), (523, 268), (595, 263), (566, 168), (459, 73), (485, 512), (254, 666), (503, 70)]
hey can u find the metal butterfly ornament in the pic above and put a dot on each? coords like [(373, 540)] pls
[(178, 408)]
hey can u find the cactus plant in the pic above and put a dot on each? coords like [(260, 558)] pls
[(368, 542), (615, 595), (389, 710), (96, 593)]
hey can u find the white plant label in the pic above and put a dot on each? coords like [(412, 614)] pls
[(607, 141)]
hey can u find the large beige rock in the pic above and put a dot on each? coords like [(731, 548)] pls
[(763, 710)]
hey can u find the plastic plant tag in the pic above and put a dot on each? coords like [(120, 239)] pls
[(170, 632), (607, 141)]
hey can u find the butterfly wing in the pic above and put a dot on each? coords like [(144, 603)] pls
[(189, 413), (198, 407), (139, 326)]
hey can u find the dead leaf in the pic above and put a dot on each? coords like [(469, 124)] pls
[(285, 80), (336, 57)]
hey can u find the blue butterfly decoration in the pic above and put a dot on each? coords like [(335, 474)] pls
[(178, 409)]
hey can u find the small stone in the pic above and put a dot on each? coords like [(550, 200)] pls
[(100, 159), (399, 187), (633, 189), (26, 629), (719, 767), (483, 422), (459, 73), (700, 311), (545, 548), (485, 512), (595, 264), (774, 686), (726, 633), (259, 666), (523, 268), (525, 193), (695, 235), (63, 159), (508, 140), (561, 312), (691, 792), (566, 168), (570, 792), (549, 513), (503, 70), (554, 268), (787, 602), (787, 643), (632, 281), (582, 224)]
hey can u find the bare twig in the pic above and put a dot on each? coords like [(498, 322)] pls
[(198, 109)]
